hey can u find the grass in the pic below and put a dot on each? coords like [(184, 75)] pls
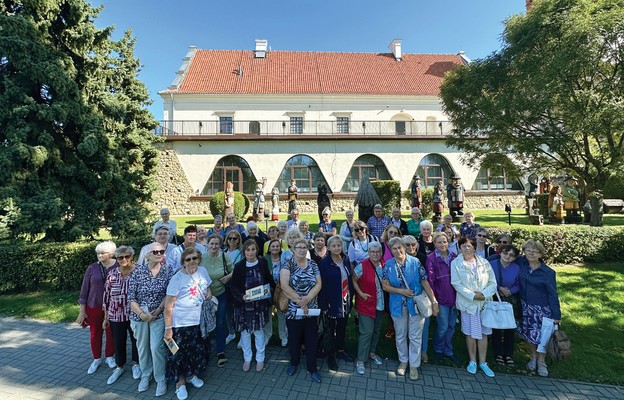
[(592, 303)]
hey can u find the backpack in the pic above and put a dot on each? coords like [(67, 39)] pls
[(559, 347)]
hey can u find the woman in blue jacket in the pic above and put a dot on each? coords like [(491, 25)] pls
[(539, 298)]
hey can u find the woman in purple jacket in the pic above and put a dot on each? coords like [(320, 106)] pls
[(507, 274), (438, 268)]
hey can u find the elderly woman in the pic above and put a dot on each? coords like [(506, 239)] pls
[(253, 232), (186, 292), (390, 232), (272, 234), (507, 274), (327, 226), (300, 279), (232, 225), (405, 278), (217, 228), (282, 227), (346, 231), (425, 241), (539, 299), (320, 249), (438, 268), (473, 279), (219, 268), (304, 228), (469, 228), (501, 240), (369, 304), (411, 248), (291, 237), (161, 236), (358, 249), (273, 258), (453, 243), (335, 300), (234, 250), (117, 312), (413, 225), (251, 314), (90, 300), (447, 221), (148, 288), (483, 249)]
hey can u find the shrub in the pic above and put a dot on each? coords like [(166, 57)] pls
[(426, 206), (614, 188), (389, 193), (241, 204)]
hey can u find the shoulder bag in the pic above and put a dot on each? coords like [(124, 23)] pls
[(498, 314), (421, 301)]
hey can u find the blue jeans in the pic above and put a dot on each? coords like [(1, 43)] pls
[(222, 326), (425, 337), (445, 329)]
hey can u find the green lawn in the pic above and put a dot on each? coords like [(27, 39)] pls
[(592, 302)]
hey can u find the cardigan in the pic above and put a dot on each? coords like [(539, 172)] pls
[(439, 278), (539, 286), (466, 282), (237, 283), (330, 296)]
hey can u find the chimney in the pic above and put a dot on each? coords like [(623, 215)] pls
[(529, 5), (261, 48), (395, 48)]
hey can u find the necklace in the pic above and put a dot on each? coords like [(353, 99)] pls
[(362, 244)]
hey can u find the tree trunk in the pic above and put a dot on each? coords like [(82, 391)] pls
[(596, 209)]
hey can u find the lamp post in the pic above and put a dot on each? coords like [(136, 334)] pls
[(508, 211)]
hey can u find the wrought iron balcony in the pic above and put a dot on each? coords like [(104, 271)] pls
[(304, 128)]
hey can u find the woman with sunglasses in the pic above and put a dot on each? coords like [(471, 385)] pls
[(273, 257), (358, 249), (250, 314), (90, 300), (147, 291), (219, 268), (327, 226), (233, 249), (411, 248), (300, 279), (483, 249), (117, 312), (186, 292), (390, 232)]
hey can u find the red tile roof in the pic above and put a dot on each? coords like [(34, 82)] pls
[(293, 72)]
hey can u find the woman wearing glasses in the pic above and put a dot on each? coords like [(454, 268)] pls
[(90, 300), (346, 231), (186, 292), (390, 232), (358, 249), (411, 248), (117, 312), (327, 226), (483, 249), (300, 279), (148, 288)]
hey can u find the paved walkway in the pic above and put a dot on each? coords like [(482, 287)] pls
[(40, 360)]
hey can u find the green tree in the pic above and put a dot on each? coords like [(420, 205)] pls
[(76, 148), (551, 97)]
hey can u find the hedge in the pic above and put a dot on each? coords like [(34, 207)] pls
[(426, 207), (389, 193), (241, 205)]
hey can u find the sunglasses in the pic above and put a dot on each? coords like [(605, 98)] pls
[(502, 242), (126, 257), (481, 235), (189, 259), (157, 252), (357, 230), (232, 238)]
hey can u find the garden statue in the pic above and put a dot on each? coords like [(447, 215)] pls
[(292, 197), (555, 205), (545, 185), (416, 192), (274, 204), (533, 187), (438, 202), (322, 200), (571, 200), (456, 198), (259, 200), (229, 198)]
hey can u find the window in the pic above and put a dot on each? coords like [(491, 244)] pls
[(342, 125), (296, 125), (230, 169), (495, 179), (306, 173), (225, 125), (254, 128), (433, 168), (365, 165), (399, 127)]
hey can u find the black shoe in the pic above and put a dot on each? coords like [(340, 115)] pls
[(290, 371), (454, 360), (332, 364), (315, 377), (438, 357), (343, 355)]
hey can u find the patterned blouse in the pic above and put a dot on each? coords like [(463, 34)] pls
[(147, 290), (302, 281), (116, 305)]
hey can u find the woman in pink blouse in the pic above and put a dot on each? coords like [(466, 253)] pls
[(117, 312)]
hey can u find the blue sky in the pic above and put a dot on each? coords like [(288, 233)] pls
[(164, 29)]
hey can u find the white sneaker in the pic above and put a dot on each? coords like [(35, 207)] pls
[(136, 371), (229, 338), (115, 375), (94, 366), (195, 381), (111, 362), (182, 393), (161, 388), (144, 383), (284, 342), (239, 345)]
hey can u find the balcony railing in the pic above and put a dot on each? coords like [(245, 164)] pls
[(305, 128)]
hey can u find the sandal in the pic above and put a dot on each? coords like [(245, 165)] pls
[(221, 360), (389, 334), (500, 360), (510, 361), (532, 364)]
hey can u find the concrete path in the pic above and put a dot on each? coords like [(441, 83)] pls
[(41, 360)]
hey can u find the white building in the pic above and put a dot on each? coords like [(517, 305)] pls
[(316, 117)]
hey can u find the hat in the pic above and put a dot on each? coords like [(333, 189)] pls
[(568, 177)]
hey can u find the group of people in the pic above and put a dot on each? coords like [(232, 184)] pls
[(381, 266)]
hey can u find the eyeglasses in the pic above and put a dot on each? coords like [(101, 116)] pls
[(481, 235), (295, 213), (157, 252), (393, 233), (103, 252), (325, 215), (301, 248), (126, 257), (411, 244), (189, 259), (232, 238)]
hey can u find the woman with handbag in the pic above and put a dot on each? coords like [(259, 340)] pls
[(188, 289), (335, 301), (507, 274), (539, 298), (473, 279), (405, 279), (272, 258), (219, 268), (251, 314)]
